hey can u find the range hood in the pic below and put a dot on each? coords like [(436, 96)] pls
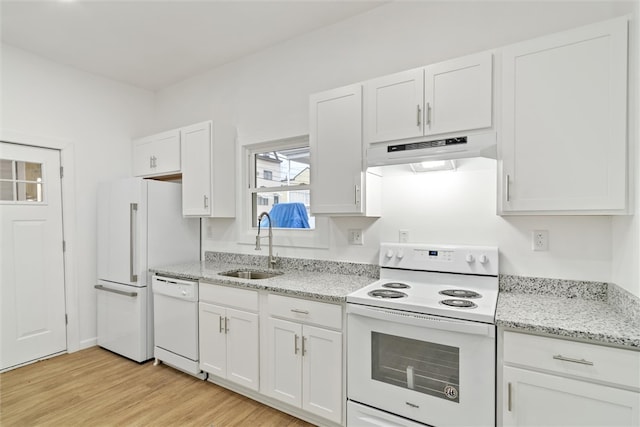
[(459, 147)]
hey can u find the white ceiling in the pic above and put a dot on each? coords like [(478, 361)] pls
[(153, 44)]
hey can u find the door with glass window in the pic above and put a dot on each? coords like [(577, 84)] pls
[(32, 299)]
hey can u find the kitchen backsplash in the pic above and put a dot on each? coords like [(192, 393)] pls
[(297, 264)]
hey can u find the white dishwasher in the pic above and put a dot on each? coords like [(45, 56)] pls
[(175, 324)]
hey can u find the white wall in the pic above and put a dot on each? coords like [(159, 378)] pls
[(266, 96), (98, 117)]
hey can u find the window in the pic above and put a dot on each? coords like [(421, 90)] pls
[(279, 184), (20, 181)]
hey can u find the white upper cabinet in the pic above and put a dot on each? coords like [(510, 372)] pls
[(157, 155), (563, 123), (458, 94), (208, 170), (447, 97), (394, 106), (341, 184)]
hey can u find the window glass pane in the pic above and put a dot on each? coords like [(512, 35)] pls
[(422, 366), (27, 171), (29, 192), (287, 209), (6, 171), (282, 167), (7, 190)]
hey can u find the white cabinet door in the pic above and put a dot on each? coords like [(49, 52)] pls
[(196, 169), (563, 127), (537, 399), (157, 154), (394, 106), (242, 348), (322, 372), (213, 347), (459, 94), (284, 373), (335, 140)]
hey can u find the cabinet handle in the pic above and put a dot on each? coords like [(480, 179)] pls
[(507, 184), (418, 116), (509, 397), (569, 359), (295, 344), (221, 329), (150, 162), (304, 350), (427, 120), (206, 201), (357, 194), (295, 310)]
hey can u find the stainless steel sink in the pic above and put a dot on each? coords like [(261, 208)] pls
[(250, 274)]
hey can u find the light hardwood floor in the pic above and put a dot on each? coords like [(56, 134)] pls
[(94, 387)]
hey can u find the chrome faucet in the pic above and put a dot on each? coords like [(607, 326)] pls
[(272, 259)]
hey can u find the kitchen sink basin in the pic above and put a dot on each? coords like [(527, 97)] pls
[(250, 274)]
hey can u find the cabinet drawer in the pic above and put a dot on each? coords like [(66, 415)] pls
[(585, 360), (302, 310), (245, 299)]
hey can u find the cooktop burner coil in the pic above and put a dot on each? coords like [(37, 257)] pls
[(460, 293), (387, 293), (396, 285), (458, 303)]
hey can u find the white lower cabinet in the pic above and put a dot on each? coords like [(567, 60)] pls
[(304, 362), (229, 337), (553, 382)]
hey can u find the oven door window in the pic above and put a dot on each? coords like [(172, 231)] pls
[(424, 367)]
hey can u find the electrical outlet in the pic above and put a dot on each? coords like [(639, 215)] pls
[(403, 236), (540, 240), (355, 237)]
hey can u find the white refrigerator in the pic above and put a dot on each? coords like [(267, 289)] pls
[(140, 225)]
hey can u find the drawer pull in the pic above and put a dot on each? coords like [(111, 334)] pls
[(295, 310), (509, 397), (568, 359)]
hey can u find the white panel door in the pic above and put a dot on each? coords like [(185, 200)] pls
[(196, 146), (563, 132), (322, 372), (335, 139), (213, 347), (242, 348), (536, 399), (284, 372), (32, 289), (459, 94), (393, 106)]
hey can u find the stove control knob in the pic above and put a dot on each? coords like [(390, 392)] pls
[(400, 254), (389, 254), (483, 259), (470, 258)]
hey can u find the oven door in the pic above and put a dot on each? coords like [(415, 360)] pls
[(434, 370)]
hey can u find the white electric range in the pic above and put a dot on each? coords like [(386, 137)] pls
[(421, 340)]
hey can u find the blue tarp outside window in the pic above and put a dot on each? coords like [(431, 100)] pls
[(287, 215)]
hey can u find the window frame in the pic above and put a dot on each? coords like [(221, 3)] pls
[(283, 237)]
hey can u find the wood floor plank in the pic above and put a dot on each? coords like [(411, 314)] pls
[(94, 387)]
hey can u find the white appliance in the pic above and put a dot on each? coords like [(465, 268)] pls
[(175, 324), (140, 225), (421, 342), (459, 147)]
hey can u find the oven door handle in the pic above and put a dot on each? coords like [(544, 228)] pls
[(422, 320)]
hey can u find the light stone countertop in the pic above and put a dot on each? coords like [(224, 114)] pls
[(322, 286), (573, 310)]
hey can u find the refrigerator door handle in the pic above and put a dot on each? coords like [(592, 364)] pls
[(116, 291), (133, 209)]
